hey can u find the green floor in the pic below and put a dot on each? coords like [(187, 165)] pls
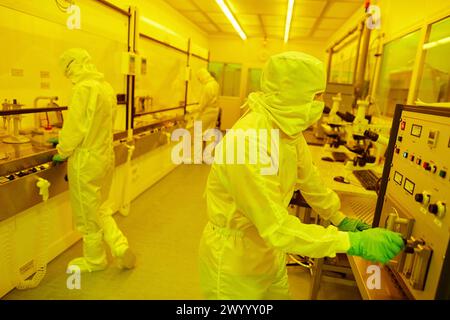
[(164, 229)]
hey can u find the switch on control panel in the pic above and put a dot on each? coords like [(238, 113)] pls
[(437, 209), (423, 198)]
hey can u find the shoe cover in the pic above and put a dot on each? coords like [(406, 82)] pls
[(94, 258), (113, 236), (127, 260)]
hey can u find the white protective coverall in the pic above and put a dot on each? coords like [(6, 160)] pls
[(242, 253), (208, 104), (86, 139)]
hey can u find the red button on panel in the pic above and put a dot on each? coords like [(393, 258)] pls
[(403, 125)]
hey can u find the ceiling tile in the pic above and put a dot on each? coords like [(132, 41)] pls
[(340, 9), (273, 15), (207, 5), (303, 22), (219, 18), (181, 4), (226, 27), (323, 33), (275, 31), (208, 27), (195, 16), (299, 32), (255, 35), (269, 7), (330, 23), (309, 8), (248, 19), (274, 21), (252, 29)]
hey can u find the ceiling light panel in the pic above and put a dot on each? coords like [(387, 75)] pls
[(230, 16)]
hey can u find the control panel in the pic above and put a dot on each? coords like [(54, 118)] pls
[(22, 173), (415, 199)]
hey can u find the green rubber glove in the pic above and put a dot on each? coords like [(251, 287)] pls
[(376, 245), (58, 159), (353, 225), (53, 140)]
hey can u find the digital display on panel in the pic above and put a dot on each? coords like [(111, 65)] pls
[(398, 178), (416, 130), (409, 186)]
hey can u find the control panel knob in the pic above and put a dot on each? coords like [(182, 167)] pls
[(433, 208), (437, 209), (21, 174), (423, 198), (419, 197)]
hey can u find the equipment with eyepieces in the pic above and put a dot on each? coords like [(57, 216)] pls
[(340, 156), (367, 178), (346, 116)]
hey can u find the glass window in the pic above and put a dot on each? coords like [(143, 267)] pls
[(434, 83), (396, 71), (162, 87), (228, 76), (253, 80), (29, 67), (343, 63), (216, 68)]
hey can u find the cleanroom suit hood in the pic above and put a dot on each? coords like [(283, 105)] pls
[(204, 76), (209, 96), (77, 65), (289, 83)]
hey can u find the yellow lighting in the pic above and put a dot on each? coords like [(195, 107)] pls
[(288, 20), (231, 18), (435, 44), (157, 25)]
